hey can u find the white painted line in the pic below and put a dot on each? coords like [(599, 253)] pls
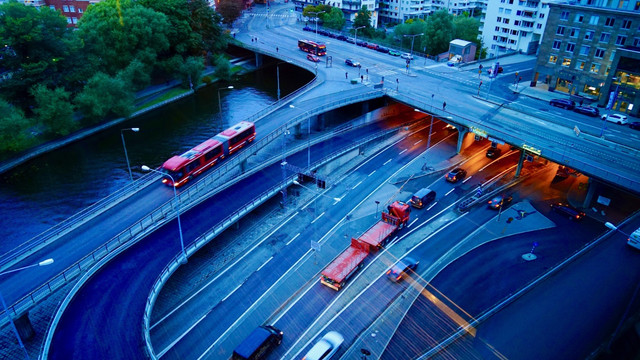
[(295, 237), (467, 179), (223, 272), (357, 185), (373, 172), (231, 293), (417, 142), (401, 152), (339, 199), (449, 192), (386, 162), (261, 266), (414, 220), (182, 335), (432, 205), (319, 216)]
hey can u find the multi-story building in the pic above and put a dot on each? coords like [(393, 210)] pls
[(71, 9), (593, 51), (514, 25)]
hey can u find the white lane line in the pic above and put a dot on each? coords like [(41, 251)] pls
[(222, 272), (401, 152), (386, 162), (319, 216), (265, 263), (467, 179), (231, 293), (417, 142), (373, 172), (339, 199), (181, 336), (450, 191), (295, 237), (360, 182), (432, 205), (414, 220)]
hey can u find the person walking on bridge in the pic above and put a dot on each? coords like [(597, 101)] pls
[(444, 105)]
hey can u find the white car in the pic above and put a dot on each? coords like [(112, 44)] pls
[(406, 56), (616, 118), (326, 347)]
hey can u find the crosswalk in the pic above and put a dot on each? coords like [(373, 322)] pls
[(272, 16)]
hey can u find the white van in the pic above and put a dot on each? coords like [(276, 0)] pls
[(634, 239)]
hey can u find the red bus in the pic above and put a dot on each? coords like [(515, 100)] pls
[(312, 47), (184, 167)]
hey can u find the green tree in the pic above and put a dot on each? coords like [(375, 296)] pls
[(14, 129), (438, 32), (36, 49), (334, 19), (466, 28), (137, 74), (53, 109), (190, 71), (104, 95), (223, 68), (230, 10), (411, 27), (206, 22), (363, 18), (311, 11)]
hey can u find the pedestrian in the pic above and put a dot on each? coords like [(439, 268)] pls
[(361, 78), (397, 84), (234, 35), (277, 49), (444, 105), (346, 75), (581, 102)]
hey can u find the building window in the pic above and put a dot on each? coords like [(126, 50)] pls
[(574, 32), (52, 7), (506, 21), (500, 10), (79, 10), (516, 23), (626, 24), (74, 20), (541, 16), (507, 11), (571, 47), (560, 30), (580, 65), (512, 42), (556, 45), (606, 73), (595, 68), (523, 34), (514, 32), (613, 55), (553, 59), (593, 20), (566, 62), (65, 8), (579, 18), (620, 40), (68, 21), (497, 28), (499, 19), (539, 26), (636, 42), (605, 37), (610, 21), (585, 50), (564, 15), (588, 35), (599, 53), (72, 9)]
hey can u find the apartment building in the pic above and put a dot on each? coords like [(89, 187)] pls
[(593, 51), (515, 25), (71, 9)]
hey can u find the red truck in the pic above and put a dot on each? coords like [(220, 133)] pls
[(340, 270)]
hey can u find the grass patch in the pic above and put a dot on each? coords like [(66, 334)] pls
[(171, 93)]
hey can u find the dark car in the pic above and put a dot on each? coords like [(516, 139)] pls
[(352, 63), (634, 125), (563, 103), (332, 35), (382, 49), (494, 152), (499, 201), (307, 28), (587, 110), (362, 43), (402, 269), (568, 210), (456, 175), (341, 38), (323, 32)]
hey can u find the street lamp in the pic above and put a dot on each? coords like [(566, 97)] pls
[(376, 215), (219, 103), (610, 105), (6, 310), (430, 127), (356, 37), (316, 13), (413, 37), (308, 137), (125, 148), (175, 196)]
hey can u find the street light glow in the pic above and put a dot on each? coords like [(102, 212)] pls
[(45, 262)]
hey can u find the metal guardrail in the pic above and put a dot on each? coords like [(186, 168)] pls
[(205, 238)]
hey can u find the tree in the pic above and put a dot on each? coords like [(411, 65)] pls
[(230, 10), (104, 95), (223, 68), (334, 19), (206, 22), (14, 129), (190, 71), (438, 32), (311, 11), (53, 109), (411, 27), (363, 18), (466, 28)]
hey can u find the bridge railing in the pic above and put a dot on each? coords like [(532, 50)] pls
[(218, 228)]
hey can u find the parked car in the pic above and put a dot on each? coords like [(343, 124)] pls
[(307, 28), (616, 118), (406, 56), (351, 40), (634, 125), (494, 152), (372, 46), (568, 210), (454, 60), (326, 347), (362, 43), (402, 269), (332, 35), (352, 63), (587, 110), (455, 175), (563, 103), (341, 38), (499, 201), (394, 53), (313, 58), (382, 49)]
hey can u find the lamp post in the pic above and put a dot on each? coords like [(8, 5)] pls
[(430, 128), (308, 137), (175, 196), (126, 156), (219, 103), (316, 13), (413, 37), (604, 120), (356, 37), (278, 75), (376, 215), (6, 310)]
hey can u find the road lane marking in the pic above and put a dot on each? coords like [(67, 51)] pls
[(432, 205), (265, 263), (373, 172), (231, 293), (386, 162), (295, 237), (319, 216), (417, 142), (467, 179), (414, 220), (360, 182), (450, 191), (401, 152)]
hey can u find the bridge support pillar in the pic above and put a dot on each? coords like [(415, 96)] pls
[(297, 130), (593, 187), (236, 225), (258, 60), (365, 107), (520, 164), (462, 133), (319, 123), (243, 165), (24, 327)]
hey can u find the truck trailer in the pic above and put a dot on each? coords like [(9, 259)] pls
[(343, 267)]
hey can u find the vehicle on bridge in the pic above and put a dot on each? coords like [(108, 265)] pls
[(182, 168), (343, 267), (634, 239), (312, 47), (258, 344)]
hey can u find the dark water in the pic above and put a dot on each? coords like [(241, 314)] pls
[(51, 188)]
